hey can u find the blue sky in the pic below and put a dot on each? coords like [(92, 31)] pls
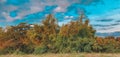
[(103, 14)]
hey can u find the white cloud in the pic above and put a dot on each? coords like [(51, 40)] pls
[(61, 4), (9, 18), (114, 29), (3, 1), (36, 6), (66, 17), (69, 17), (34, 9), (114, 14), (9, 8), (59, 9)]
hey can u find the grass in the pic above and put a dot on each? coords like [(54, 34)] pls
[(68, 55)]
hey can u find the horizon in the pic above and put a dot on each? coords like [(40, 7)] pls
[(104, 15)]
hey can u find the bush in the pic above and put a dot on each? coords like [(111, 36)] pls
[(41, 49), (8, 50)]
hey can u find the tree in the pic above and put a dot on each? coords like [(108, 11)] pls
[(16, 37), (78, 28), (35, 35)]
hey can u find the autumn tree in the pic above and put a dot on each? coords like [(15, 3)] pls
[(35, 35), (48, 36), (17, 37), (79, 28)]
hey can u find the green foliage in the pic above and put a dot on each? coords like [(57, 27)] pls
[(49, 37), (8, 50), (40, 49)]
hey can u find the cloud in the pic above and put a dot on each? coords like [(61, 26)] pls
[(114, 29), (68, 17), (3, 1), (27, 7), (100, 25), (107, 20), (59, 9), (106, 28), (118, 21), (9, 18), (106, 25), (64, 11), (8, 8)]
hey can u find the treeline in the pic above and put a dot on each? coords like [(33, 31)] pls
[(49, 37)]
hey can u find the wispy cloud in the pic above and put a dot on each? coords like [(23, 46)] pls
[(106, 21), (103, 14), (26, 7), (9, 18)]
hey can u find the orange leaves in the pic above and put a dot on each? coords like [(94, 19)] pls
[(106, 40), (6, 43), (64, 30), (99, 40), (50, 25), (76, 34), (77, 28)]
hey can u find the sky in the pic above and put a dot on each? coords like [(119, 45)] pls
[(104, 15)]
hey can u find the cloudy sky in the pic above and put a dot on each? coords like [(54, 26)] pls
[(103, 14)]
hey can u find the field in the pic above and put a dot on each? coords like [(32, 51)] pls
[(68, 55)]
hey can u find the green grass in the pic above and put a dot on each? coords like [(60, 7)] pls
[(68, 55)]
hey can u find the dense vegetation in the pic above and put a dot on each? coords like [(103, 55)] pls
[(49, 37)]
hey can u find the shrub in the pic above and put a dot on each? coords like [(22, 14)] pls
[(41, 49)]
